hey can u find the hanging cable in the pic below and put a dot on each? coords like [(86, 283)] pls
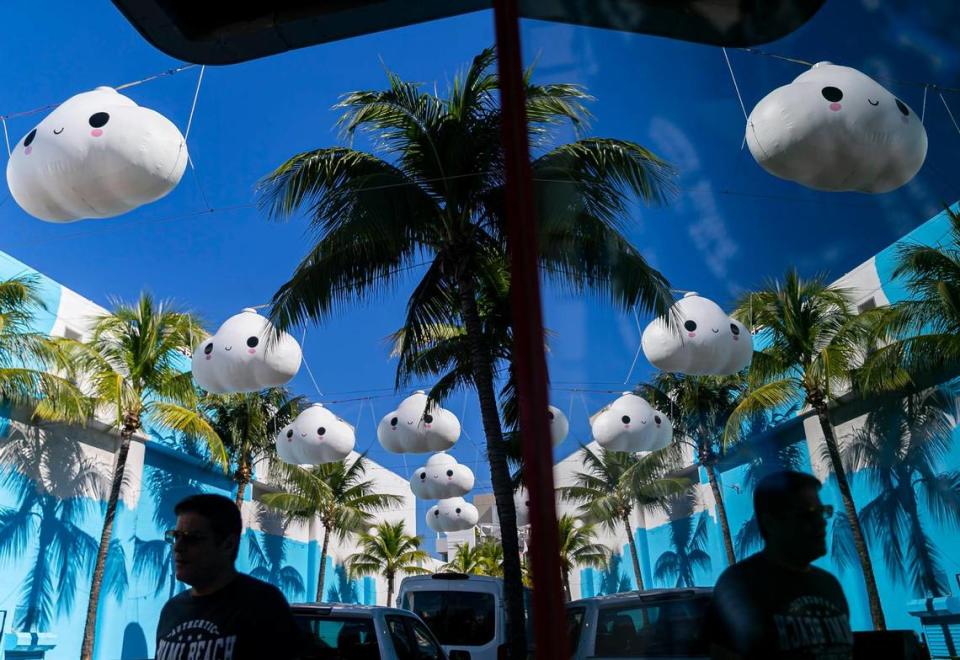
[(193, 107), (6, 136), (940, 94), (923, 110), (736, 87)]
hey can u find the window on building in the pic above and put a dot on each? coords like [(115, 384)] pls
[(867, 305)]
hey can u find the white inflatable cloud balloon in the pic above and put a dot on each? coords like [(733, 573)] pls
[(244, 356), (631, 424), (97, 155), (704, 340), (834, 128), (453, 514), (559, 425), (316, 436), (521, 503), (442, 477), (412, 429)]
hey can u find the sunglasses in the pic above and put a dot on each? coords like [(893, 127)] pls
[(174, 536), (823, 511)]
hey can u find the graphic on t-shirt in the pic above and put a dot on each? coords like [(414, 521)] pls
[(198, 639), (813, 624)]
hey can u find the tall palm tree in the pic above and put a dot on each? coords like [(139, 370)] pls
[(902, 451), (430, 197), (336, 493), (615, 483), (491, 557), (813, 341), (134, 366), (246, 423), (688, 536), (388, 551), (700, 407), (32, 364), (578, 547), (268, 555)]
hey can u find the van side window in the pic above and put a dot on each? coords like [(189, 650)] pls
[(400, 638), (665, 629), (574, 627)]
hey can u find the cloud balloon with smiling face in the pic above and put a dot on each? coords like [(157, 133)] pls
[(701, 340), (245, 356), (441, 478), (412, 429), (96, 155), (834, 128), (631, 424), (453, 514), (316, 436)]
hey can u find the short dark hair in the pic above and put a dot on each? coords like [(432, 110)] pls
[(221, 512), (776, 492)]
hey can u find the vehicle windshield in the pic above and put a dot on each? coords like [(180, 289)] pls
[(338, 638), (457, 618), (667, 629)]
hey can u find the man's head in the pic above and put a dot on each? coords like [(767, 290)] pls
[(792, 520), (207, 538)]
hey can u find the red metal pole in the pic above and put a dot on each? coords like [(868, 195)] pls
[(529, 361)]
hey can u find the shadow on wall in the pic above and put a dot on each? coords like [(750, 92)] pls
[(134, 643), (688, 536), (343, 590), (267, 554)]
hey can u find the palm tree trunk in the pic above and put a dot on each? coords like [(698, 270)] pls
[(323, 562), (721, 511), (565, 575), (918, 539), (389, 589), (481, 362), (243, 477), (89, 630), (633, 552), (873, 595)]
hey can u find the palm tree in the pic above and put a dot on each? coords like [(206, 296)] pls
[(337, 494), (901, 451), (246, 423), (701, 406), (30, 360), (617, 482), (267, 554), (491, 557), (814, 340), (467, 559), (430, 197), (578, 548), (134, 366), (388, 550), (689, 543)]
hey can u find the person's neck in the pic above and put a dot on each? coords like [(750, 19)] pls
[(214, 585), (785, 560)]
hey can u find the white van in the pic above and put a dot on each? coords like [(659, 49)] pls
[(466, 613)]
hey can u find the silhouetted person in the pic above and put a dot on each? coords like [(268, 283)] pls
[(775, 605), (225, 615)]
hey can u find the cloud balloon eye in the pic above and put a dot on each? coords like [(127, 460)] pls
[(832, 94), (208, 349), (290, 433), (428, 419), (99, 119), (625, 419), (458, 509), (27, 141), (734, 329), (423, 475), (394, 421), (321, 431), (690, 326), (449, 473), (252, 341), (657, 419), (904, 110), (550, 414)]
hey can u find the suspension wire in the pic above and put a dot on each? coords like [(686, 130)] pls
[(923, 111), (6, 136), (949, 112)]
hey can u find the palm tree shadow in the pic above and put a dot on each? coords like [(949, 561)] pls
[(55, 486), (344, 589), (267, 553), (766, 460), (688, 536), (613, 578)]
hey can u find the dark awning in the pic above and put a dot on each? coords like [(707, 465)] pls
[(240, 30)]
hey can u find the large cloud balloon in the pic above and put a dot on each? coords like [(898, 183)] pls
[(442, 477), (316, 436), (835, 128), (631, 424), (244, 356), (559, 425), (412, 429), (454, 514), (97, 155), (703, 340)]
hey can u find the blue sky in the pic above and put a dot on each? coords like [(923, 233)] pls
[(730, 227)]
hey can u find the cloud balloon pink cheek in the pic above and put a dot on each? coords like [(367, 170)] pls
[(27, 151), (835, 107), (96, 132), (251, 351)]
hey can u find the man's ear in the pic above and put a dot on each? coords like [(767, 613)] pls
[(232, 543)]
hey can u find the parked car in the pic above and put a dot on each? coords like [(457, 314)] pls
[(658, 623), (359, 632), (465, 612)]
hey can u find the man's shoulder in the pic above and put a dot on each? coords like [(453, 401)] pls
[(251, 586), (745, 569), (179, 600)]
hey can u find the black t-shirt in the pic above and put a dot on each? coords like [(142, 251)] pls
[(765, 611), (245, 620)]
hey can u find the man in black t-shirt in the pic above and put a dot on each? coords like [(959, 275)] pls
[(775, 605), (225, 615)]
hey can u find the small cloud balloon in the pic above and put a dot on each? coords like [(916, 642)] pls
[(834, 128), (703, 340), (453, 514), (96, 155), (631, 424), (412, 429), (245, 356), (442, 477), (559, 425), (521, 503), (316, 436)]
